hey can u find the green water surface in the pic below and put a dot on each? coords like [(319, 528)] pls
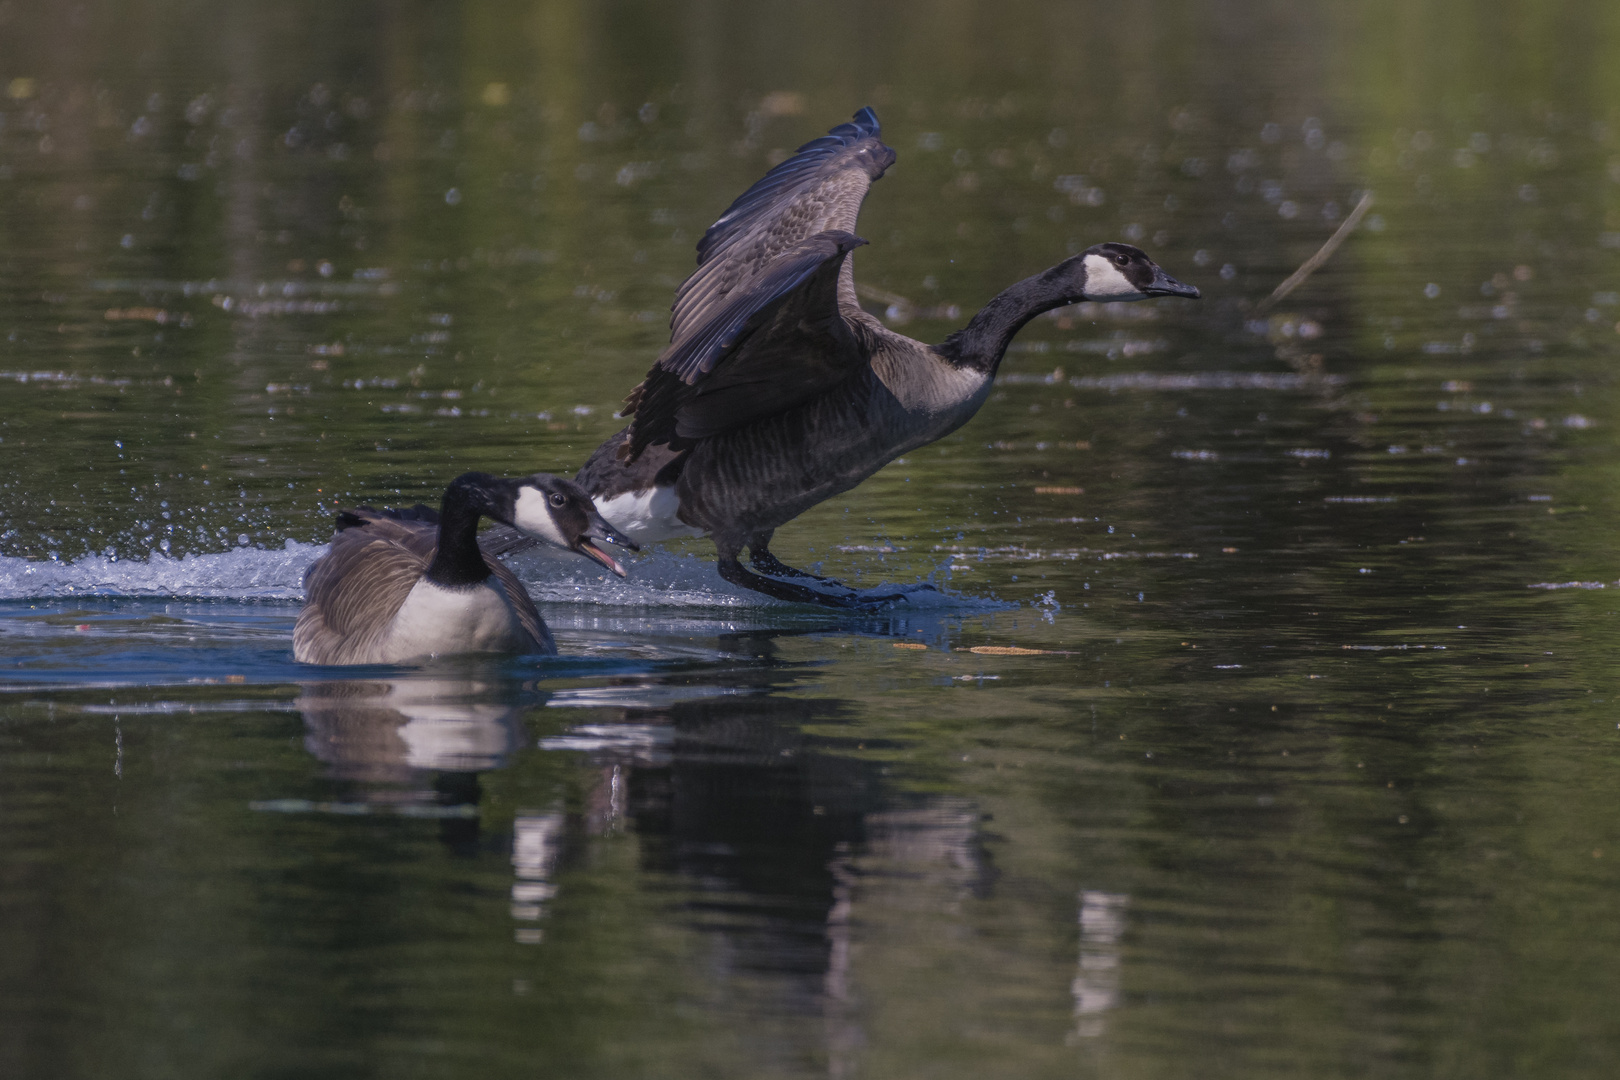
[(1306, 766)]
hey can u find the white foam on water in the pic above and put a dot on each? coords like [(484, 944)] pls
[(662, 578), (240, 574), (658, 578)]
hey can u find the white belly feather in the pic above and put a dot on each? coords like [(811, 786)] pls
[(437, 621), (646, 517)]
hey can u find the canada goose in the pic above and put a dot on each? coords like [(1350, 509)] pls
[(401, 585), (778, 391)]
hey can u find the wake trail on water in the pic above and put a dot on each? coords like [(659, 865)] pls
[(661, 578), (239, 574), (657, 578)]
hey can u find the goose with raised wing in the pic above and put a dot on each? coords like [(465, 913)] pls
[(408, 585), (777, 391)]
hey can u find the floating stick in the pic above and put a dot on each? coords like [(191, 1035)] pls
[(902, 310), (1314, 263)]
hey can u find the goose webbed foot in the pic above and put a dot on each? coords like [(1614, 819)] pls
[(734, 572), (766, 563)]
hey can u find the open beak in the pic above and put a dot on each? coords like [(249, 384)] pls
[(600, 533), (1165, 285)]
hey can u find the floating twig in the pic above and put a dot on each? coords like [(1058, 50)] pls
[(901, 310), (894, 299), (1314, 263), (992, 650)]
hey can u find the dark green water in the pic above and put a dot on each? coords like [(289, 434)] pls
[(1315, 777)]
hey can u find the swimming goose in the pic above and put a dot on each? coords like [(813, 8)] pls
[(778, 391), (401, 585)]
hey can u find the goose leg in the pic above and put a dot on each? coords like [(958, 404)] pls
[(766, 563), (760, 557)]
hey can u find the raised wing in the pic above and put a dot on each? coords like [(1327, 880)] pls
[(811, 266), (849, 157), (761, 315), (768, 347), (819, 189)]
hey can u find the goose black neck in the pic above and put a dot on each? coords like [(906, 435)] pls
[(458, 562), (983, 341)]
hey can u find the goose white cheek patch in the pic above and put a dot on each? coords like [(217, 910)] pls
[(532, 514), (1105, 282)]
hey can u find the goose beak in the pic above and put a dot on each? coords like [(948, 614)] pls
[(1165, 285), (588, 548), (600, 532)]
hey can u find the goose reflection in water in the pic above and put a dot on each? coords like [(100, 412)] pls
[(394, 730), (804, 871), (539, 836), (413, 744), (793, 854)]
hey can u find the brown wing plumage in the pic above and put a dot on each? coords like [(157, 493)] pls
[(770, 347), (522, 604), (763, 308), (819, 188), (353, 592)]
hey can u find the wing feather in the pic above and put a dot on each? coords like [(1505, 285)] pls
[(696, 355), (760, 325), (505, 540), (353, 592), (523, 604), (775, 344), (819, 189), (853, 145)]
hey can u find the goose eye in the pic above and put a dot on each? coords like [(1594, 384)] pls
[(558, 499), (1120, 260)]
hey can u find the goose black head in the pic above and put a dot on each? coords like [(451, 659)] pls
[(561, 513), (1115, 272)]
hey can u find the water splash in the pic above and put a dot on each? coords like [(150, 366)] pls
[(662, 578), (241, 574), (658, 578)]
